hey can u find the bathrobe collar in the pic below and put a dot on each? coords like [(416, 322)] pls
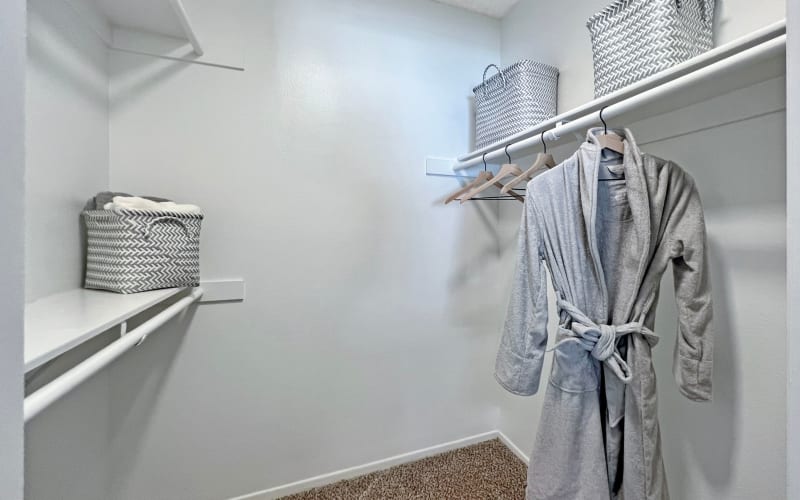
[(633, 166), (639, 200)]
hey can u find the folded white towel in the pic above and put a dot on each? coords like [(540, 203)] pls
[(137, 203)]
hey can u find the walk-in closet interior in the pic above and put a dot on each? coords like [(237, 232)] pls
[(317, 249)]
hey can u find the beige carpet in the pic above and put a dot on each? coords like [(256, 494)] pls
[(484, 471)]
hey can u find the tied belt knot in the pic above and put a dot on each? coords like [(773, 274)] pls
[(601, 340)]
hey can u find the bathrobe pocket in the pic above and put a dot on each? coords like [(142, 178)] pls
[(574, 369)]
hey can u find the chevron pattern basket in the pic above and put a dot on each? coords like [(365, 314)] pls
[(515, 99), (633, 39), (132, 251)]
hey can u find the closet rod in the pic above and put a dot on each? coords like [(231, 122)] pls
[(52, 392), (713, 71)]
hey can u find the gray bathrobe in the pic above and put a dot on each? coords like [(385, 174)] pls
[(606, 245)]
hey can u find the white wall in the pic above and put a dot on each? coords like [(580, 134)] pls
[(370, 319), (67, 142), (793, 252), (66, 447), (733, 448), (12, 159)]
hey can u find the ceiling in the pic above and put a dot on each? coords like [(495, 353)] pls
[(493, 8)]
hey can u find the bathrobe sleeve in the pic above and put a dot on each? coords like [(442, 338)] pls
[(522, 347), (694, 349)]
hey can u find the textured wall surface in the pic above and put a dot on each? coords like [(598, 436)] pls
[(372, 316), (793, 250), (12, 176), (66, 447), (369, 324), (67, 142)]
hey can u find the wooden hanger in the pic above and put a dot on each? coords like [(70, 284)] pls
[(477, 181), (544, 161), (498, 185), (514, 195), (474, 183), (610, 141), (506, 170)]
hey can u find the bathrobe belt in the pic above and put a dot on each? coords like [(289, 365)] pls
[(601, 340)]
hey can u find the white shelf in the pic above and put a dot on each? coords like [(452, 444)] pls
[(165, 18), (751, 59), (57, 323)]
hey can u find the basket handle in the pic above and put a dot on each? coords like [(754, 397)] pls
[(708, 11), (164, 218), (707, 6), (499, 72)]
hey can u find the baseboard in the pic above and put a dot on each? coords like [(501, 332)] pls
[(514, 448), (359, 470)]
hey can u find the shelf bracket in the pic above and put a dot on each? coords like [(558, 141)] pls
[(183, 18)]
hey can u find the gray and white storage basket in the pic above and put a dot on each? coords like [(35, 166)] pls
[(515, 99), (131, 251), (633, 39)]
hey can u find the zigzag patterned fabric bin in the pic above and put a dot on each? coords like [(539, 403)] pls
[(515, 99), (633, 39), (132, 251)]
